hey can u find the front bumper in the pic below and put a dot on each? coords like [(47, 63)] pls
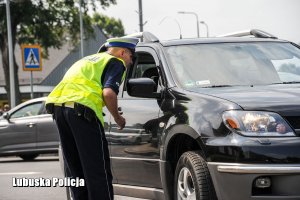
[(235, 181)]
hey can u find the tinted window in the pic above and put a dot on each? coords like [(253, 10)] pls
[(144, 67)]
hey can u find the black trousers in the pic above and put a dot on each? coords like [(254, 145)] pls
[(86, 154)]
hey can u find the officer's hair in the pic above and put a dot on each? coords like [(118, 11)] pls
[(114, 50)]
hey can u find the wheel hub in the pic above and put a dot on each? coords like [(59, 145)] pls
[(185, 185)]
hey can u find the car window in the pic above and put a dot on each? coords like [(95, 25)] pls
[(43, 109), (28, 110), (144, 67), (142, 70)]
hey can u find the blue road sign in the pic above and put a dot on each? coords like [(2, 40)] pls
[(31, 58)]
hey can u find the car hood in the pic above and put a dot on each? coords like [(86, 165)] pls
[(283, 99)]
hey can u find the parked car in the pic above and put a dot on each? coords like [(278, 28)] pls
[(224, 119), (27, 131)]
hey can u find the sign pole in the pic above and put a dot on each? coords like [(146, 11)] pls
[(31, 84)]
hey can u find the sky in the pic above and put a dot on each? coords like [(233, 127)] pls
[(278, 17)]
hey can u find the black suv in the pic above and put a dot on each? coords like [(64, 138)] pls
[(209, 118)]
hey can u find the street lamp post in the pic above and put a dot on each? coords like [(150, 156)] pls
[(207, 32), (193, 13), (141, 16), (180, 35), (10, 58), (81, 29)]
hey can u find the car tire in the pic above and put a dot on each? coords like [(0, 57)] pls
[(192, 178), (29, 157)]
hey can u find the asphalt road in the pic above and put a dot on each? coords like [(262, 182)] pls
[(44, 167)]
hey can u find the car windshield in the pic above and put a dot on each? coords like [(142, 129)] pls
[(230, 64)]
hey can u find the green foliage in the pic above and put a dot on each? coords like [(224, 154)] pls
[(111, 27), (47, 23)]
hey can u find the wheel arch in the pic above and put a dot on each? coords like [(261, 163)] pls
[(179, 139), (183, 135)]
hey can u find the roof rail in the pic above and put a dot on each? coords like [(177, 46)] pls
[(255, 32), (144, 36)]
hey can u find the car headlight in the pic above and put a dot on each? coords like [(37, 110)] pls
[(257, 123)]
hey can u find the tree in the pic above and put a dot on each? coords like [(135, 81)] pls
[(112, 27), (44, 22)]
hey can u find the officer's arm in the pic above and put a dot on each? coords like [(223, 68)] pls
[(111, 102)]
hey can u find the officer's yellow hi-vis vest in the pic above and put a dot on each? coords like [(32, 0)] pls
[(82, 83)]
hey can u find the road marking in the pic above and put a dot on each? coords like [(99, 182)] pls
[(19, 173)]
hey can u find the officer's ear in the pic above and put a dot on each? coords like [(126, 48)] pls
[(123, 52)]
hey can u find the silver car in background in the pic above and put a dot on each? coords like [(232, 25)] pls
[(27, 130)]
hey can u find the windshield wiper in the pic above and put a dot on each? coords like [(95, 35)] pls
[(214, 86), (287, 82), (290, 82)]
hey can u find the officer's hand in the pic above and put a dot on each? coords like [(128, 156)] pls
[(120, 121)]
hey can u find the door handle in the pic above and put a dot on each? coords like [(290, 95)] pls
[(30, 125)]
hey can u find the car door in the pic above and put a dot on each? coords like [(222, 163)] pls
[(47, 132), (135, 149), (18, 132)]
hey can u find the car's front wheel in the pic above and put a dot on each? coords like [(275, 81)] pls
[(192, 178)]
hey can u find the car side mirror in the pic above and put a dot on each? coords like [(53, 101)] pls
[(6, 116), (142, 87)]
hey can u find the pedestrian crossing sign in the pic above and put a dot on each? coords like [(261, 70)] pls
[(31, 58)]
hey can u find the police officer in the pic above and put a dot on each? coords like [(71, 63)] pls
[(76, 103)]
